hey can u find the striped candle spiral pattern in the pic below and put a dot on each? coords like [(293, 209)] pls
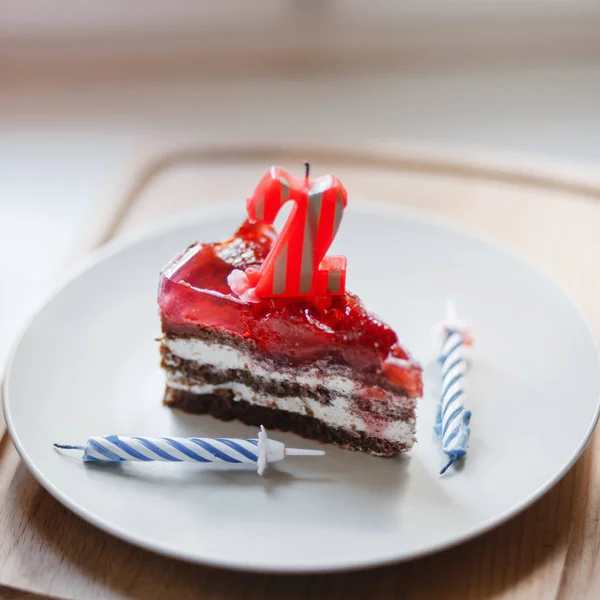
[(114, 448), (260, 451), (452, 420)]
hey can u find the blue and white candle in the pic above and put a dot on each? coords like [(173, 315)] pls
[(452, 423), (260, 451)]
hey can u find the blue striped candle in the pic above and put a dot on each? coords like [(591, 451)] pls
[(452, 423), (260, 451)]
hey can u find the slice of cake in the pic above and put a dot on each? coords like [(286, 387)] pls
[(324, 367)]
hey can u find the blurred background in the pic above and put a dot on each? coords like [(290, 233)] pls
[(84, 86)]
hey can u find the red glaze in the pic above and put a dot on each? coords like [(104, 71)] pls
[(194, 293)]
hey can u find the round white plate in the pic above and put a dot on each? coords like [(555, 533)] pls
[(87, 365)]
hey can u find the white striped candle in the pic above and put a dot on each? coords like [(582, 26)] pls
[(452, 423), (233, 451)]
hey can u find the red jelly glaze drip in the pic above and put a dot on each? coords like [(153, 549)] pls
[(194, 293)]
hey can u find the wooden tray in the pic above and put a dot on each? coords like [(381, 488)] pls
[(549, 214)]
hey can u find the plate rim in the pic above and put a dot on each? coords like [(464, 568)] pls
[(223, 210)]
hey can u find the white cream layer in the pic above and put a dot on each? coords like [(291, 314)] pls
[(335, 414), (223, 357)]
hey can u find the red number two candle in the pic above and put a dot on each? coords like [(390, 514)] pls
[(296, 264)]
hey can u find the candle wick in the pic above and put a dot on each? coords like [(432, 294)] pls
[(450, 462), (68, 447), (307, 169)]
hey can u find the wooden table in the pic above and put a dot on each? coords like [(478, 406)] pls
[(549, 214)]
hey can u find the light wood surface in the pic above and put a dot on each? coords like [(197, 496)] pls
[(549, 551)]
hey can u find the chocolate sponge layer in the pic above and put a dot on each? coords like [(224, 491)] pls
[(221, 405)]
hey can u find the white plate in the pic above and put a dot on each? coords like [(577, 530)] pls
[(88, 365)]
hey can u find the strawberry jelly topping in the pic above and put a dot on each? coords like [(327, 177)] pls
[(194, 293)]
